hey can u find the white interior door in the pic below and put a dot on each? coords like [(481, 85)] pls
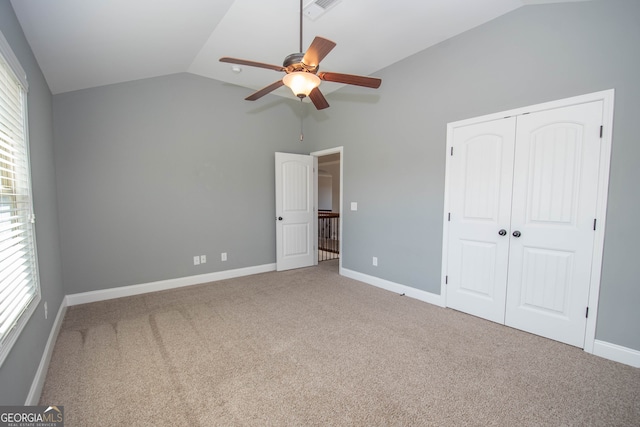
[(295, 211), (553, 210), (481, 171)]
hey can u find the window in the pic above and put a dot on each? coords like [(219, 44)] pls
[(19, 287)]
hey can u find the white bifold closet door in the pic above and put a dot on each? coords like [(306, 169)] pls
[(523, 193)]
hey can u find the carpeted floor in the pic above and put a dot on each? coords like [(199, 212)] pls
[(311, 348)]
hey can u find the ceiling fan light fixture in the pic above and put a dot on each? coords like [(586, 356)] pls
[(301, 82)]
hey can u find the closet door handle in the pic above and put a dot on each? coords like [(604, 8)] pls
[(517, 234), (502, 232)]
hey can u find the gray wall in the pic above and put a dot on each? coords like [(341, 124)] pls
[(394, 138), (153, 172), (18, 370), (333, 169), (325, 191)]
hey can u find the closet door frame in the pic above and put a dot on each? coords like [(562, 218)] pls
[(607, 97)]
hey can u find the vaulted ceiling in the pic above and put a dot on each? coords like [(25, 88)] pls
[(87, 43)]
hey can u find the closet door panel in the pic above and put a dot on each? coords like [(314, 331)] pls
[(553, 209), (481, 169)]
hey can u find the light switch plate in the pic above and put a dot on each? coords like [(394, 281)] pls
[(354, 206)]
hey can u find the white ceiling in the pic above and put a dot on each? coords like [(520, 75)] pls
[(87, 43)]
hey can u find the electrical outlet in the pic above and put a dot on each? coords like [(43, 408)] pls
[(196, 260), (203, 259), (375, 261), (223, 256), (46, 311)]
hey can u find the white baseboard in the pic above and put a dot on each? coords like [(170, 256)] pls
[(41, 374), (394, 287), (162, 285), (617, 353)]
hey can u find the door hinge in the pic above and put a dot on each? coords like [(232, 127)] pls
[(587, 313), (446, 280), (449, 217), (594, 223), (452, 151), (601, 131)]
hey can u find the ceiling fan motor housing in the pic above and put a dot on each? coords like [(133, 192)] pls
[(294, 63)]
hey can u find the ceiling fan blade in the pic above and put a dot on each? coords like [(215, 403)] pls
[(319, 48), (350, 79), (251, 63), (265, 90), (318, 99)]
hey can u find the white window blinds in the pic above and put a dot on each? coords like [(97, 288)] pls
[(19, 288)]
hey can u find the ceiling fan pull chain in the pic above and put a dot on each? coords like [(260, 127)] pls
[(301, 120)]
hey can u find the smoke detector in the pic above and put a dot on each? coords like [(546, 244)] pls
[(317, 8)]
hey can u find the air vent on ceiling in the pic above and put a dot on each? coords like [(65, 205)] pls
[(317, 8)]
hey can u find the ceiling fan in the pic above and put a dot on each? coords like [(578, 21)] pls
[(302, 72)]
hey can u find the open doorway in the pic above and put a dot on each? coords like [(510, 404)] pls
[(329, 193)]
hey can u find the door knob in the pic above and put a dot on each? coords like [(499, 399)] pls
[(517, 234), (502, 232), (279, 218)]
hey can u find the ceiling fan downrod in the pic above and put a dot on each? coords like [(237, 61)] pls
[(300, 26)]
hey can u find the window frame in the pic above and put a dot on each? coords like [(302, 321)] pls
[(11, 336)]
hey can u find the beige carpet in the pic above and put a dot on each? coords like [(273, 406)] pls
[(310, 348)]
